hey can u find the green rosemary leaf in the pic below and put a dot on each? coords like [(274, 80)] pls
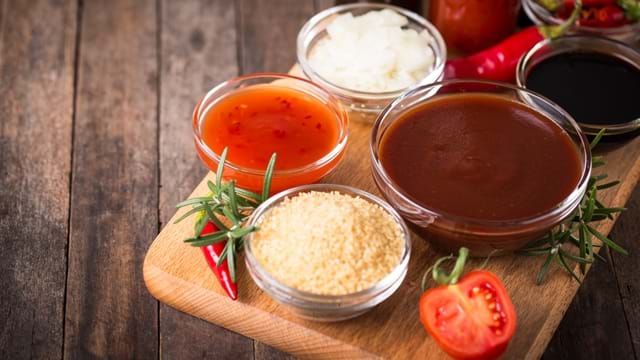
[(233, 203), (611, 210), (545, 268), (578, 259), (220, 170), (189, 213), (582, 244), (214, 219), (534, 252), (200, 223), (597, 139), (601, 206), (553, 239), (588, 211), (573, 240), (597, 217), (268, 176), (612, 245), (589, 242), (600, 177), (597, 161), (230, 215), (248, 194), (241, 232), (564, 264), (208, 239), (564, 236), (599, 257), (608, 185), (212, 187), (223, 254), (537, 243), (192, 201), (231, 259)]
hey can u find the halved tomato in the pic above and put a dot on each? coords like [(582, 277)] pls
[(472, 319)]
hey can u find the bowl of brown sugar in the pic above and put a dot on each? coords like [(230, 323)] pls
[(327, 252)]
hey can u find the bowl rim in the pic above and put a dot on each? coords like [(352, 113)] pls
[(526, 61), (351, 299), (540, 16), (314, 21), (505, 225), (342, 120)]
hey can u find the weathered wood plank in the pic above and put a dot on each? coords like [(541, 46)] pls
[(114, 185), (413, 5), (268, 31), (198, 50), (627, 233), (594, 326), (602, 321), (37, 46), (323, 4)]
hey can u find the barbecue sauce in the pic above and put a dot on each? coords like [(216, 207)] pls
[(480, 156)]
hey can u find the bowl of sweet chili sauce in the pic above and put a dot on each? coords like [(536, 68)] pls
[(472, 163), (257, 115)]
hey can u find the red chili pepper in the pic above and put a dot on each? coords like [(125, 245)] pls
[(498, 63), (211, 254)]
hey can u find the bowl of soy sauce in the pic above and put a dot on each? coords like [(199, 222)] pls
[(596, 80)]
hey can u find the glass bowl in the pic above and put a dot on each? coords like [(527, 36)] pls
[(448, 231), (249, 178), (326, 307), (361, 101), (629, 33), (581, 43)]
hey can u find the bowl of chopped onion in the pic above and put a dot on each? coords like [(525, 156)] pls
[(369, 54)]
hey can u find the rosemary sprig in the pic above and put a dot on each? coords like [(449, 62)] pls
[(230, 203), (573, 242)]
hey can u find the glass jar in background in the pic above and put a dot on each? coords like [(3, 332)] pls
[(471, 25)]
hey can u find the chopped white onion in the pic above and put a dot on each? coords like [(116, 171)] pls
[(373, 53)]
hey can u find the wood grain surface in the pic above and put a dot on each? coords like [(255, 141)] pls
[(174, 274), (99, 91), (603, 322), (37, 47), (114, 198)]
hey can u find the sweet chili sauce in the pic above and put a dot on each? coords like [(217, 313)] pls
[(260, 120)]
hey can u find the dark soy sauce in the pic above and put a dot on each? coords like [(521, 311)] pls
[(594, 88)]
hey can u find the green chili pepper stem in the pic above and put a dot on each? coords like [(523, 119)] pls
[(554, 31)]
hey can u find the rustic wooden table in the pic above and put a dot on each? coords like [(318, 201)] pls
[(95, 150)]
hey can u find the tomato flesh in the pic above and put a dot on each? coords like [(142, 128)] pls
[(474, 319)]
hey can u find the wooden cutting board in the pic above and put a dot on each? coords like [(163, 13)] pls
[(178, 275)]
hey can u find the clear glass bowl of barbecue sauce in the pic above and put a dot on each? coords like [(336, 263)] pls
[(596, 80), (474, 164)]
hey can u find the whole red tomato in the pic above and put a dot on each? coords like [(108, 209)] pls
[(472, 25)]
